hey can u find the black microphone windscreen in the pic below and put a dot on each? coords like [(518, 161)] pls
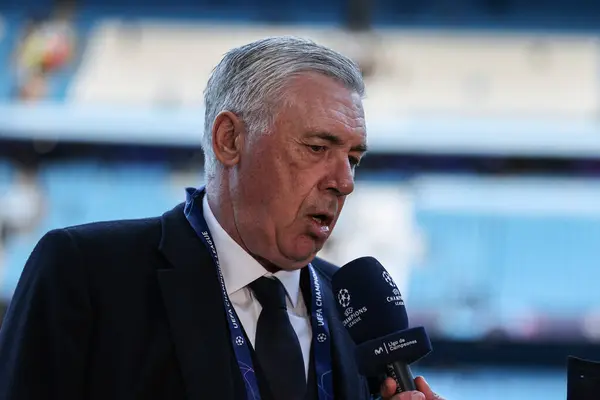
[(369, 300), (373, 311)]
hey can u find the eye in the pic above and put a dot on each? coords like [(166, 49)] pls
[(354, 161), (316, 148)]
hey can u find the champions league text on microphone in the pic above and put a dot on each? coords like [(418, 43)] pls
[(373, 311)]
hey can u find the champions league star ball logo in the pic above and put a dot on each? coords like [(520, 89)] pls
[(344, 297), (321, 337), (388, 279), (239, 340)]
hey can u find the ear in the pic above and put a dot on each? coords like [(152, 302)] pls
[(227, 136)]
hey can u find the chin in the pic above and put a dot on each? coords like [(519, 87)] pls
[(301, 259), (298, 252)]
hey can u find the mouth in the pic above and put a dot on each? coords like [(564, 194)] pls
[(323, 219)]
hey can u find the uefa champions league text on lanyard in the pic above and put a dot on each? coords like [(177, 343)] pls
[(320, 335)]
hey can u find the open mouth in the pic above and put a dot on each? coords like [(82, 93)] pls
[(322, 219)]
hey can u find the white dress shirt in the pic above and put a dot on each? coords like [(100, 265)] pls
[(239, 269)]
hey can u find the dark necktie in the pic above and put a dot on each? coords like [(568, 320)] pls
[(276, 345)]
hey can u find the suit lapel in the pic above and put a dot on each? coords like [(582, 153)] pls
[(346, 379), (192, 297)]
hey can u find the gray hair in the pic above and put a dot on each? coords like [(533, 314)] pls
[(249, 81)]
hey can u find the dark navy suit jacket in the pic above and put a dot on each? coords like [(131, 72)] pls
[(133, 310)]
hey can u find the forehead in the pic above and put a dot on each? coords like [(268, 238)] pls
[(315, 102)]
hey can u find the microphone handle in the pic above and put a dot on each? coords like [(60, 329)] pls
[(401, 373)]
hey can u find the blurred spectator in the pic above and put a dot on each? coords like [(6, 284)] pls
[(46, 47), (21, 208)]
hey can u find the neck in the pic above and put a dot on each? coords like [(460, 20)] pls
[(219, 201)]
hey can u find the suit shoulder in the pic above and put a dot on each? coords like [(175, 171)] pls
[(110, 244), (65, 248), (325, 267), (116, 229), (95, 252)]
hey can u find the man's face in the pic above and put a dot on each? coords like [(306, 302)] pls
[(291, 183)]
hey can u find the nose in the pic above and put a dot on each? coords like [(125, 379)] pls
[(340, 178)]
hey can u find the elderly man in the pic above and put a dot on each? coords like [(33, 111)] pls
[(216, 298)]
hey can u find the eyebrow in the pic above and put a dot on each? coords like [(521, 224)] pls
[(333, 139)]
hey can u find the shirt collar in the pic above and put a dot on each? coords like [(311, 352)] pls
[(239, 268)]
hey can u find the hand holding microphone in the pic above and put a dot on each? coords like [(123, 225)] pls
[(423, 392), (372, 310)]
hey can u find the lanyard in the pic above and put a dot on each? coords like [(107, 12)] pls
[(320, 330)]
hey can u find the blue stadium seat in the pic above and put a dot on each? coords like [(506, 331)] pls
[(510, 260), (551, 260), (309, 11), (32, 7)]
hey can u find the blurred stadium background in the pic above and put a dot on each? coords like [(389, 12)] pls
[(481, 193)]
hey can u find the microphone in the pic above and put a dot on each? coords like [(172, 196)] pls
[(372, 310)]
